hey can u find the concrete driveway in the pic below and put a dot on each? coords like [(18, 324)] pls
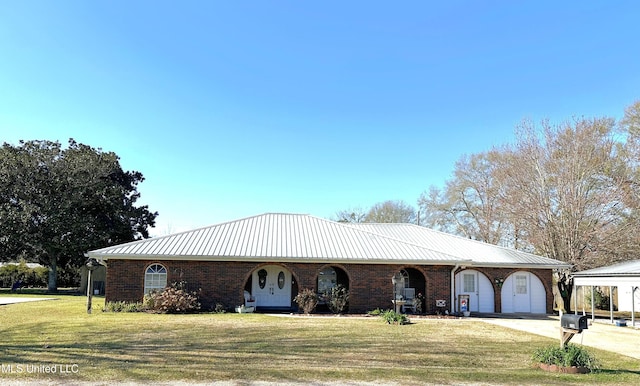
[(12, 300), (601, 334)]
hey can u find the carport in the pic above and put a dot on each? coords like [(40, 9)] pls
[(625, 276)]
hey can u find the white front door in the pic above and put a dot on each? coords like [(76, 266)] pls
[(271, 286), (469, 286), (521, 292)]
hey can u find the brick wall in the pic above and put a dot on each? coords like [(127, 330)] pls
[(223, 282)]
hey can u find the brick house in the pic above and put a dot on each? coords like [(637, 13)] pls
[(271, 257)]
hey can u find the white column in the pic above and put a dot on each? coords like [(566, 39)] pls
[(593, 303), (611, 303)]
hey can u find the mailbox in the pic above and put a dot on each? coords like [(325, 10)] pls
[(574, 322)]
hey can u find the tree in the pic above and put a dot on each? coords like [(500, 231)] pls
[(568, 186), (353, 215), (391, 212), (469, 204), (382, 212), (55, 203)]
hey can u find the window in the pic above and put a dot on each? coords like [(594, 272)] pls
[(327, 279), (155, 278), (521, 284), (405, 275), (469, 282)]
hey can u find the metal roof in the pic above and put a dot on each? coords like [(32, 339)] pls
[(305, 238), (628, 268), (480, 253), (282, 237)]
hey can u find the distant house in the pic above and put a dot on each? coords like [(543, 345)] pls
[(274, 256)]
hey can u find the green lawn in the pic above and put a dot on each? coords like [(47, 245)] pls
[(217, 347)]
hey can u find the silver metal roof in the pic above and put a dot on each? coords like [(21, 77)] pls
[(480, 254), (628, 268), (282, 237), (304, 238)]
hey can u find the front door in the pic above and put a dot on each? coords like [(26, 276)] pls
[(468, 285), (521, 293), (271, 286)]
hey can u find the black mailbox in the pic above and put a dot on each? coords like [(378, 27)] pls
[(574, 322)]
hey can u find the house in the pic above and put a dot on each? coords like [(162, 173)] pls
[(273, 256), (625, 277)]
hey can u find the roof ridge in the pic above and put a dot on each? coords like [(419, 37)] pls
[(354, 225), (460, 237)]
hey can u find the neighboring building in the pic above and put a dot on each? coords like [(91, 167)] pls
[(273, 256)]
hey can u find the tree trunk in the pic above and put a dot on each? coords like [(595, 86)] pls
[(53, 274)]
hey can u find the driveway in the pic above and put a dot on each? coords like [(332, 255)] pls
[(12, 300), (601, 334)]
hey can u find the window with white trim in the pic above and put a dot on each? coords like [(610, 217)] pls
[(521, 284), (155, 278), (469, 282)]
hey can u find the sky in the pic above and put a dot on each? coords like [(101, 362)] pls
[(234, 109)]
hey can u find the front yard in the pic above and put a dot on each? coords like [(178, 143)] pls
[(104, 347)]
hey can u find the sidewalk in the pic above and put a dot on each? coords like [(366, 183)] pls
[(601, 334)]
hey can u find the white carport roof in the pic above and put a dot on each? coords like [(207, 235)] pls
[(612, 275), (305, 238)]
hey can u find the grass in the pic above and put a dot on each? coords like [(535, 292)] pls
[(255, 347)]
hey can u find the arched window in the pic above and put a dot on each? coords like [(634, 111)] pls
[(327, 279), (155, 278), (405, 274)]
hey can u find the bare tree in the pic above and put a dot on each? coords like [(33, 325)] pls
[(391, 212), (469, 204), (351, 215), (567, 186)]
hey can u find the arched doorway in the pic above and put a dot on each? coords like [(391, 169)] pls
[(328, 278), (271, 286), (523, 292), (414, 287), (478, 287)]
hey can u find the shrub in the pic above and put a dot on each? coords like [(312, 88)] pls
[(392, 317), (601, 300), (30, 277), (220, 308), (337, 298), (307, 300), (571, 355), (172, 300), (123, 307), (376, 312)]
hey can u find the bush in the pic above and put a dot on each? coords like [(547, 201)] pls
[(337, 299), (123, 307), (376, 312), (307, 300), (571, 355), (392, 317), (219, 308), (31, 277), (172, 300), (601, 300)]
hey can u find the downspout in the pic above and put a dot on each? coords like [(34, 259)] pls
[(453, 288)]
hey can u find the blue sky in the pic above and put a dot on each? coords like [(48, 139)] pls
[(232, 109)]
